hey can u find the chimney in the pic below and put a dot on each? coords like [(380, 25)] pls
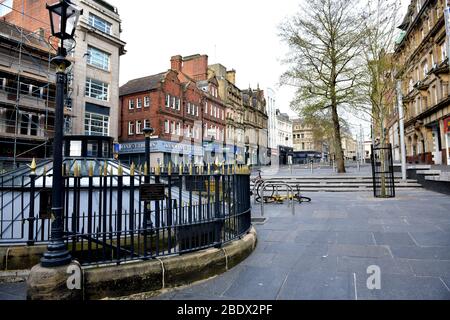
[(176, 63), (231, 76), (196, 66)]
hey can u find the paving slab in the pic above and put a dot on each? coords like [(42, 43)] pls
[(13, 291), (393, 238), (402, 287), (421, 253)]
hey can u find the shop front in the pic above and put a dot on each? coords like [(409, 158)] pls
[(161, 152), (447, 140)]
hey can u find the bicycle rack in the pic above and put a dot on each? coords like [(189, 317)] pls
[(290, 194)]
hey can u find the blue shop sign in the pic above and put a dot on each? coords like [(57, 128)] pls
[(161, 146)]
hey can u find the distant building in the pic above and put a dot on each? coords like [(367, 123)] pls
[(307, 146), (255, 126), (272, 118), (284, 137), (349, 147), (198, 113)]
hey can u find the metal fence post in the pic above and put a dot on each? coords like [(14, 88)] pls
[(31, 217), (217, 215)]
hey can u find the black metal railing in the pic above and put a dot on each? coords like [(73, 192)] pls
[(383, 172), (114, 214)]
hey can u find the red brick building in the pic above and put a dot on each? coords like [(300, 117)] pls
[(183, 107)]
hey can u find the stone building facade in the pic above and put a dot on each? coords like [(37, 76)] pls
[(235, 111), (421, 52), (256, 122), (184, 108), (198, 114)]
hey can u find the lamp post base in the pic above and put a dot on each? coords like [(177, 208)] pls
[(56, 256)]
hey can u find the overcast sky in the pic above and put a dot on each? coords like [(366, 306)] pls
[(240, 34)]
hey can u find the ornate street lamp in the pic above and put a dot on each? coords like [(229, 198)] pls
[(63, 20)]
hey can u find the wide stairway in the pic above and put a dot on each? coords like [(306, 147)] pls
[(336, 183)]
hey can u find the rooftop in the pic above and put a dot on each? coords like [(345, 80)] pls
[(141, 84)]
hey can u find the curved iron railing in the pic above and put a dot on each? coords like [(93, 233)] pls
[(114, 214)]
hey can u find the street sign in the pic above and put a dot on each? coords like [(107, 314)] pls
[(152, 191)]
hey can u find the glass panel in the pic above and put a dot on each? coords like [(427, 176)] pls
[(75, 148), (105, 149), (24, 124), (98, 58), (99, 23), (97, 89), (92, 148)]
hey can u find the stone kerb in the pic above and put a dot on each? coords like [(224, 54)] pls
[(137, 277)]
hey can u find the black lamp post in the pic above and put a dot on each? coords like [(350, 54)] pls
[(148, 133), (63, 20), (147, 214)]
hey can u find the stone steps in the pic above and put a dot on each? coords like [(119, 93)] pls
[(337, 184)]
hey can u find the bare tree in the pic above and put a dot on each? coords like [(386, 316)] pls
[(324, 38), (377, 87)]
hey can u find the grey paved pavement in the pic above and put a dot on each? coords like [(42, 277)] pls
[(324, 250), (13, 291)]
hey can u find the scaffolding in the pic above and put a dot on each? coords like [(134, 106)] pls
[(27, 89)]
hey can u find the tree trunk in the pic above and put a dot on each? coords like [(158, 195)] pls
[(337, 141)]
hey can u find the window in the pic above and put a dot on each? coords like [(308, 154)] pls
[(174, 100), (97, 89), (131, 104), (173, 127), (206, 107), (96, 124), (166, 126), (99, 23), (130, 128), (188, 131), (196, 111), (146, 123), (177, 105), (178, 129), (146, 102), (138, 127), (139, 103), (168, 101), (443, 51), (188, 108), (98, 58)]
